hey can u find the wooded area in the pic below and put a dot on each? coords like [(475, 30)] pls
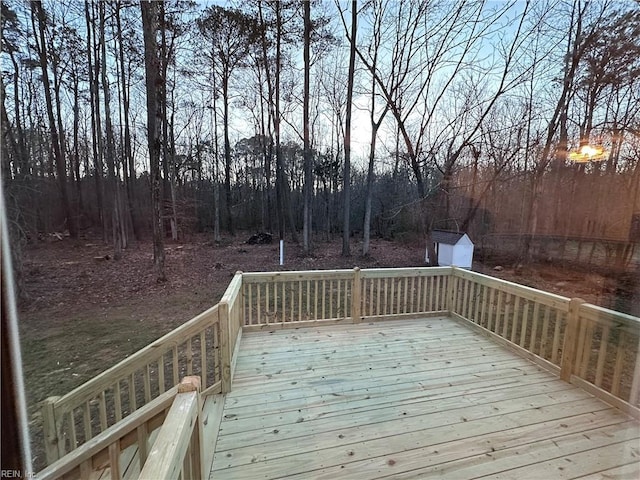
[(126, 119)]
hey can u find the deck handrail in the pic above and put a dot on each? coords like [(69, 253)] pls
[(103, 451), (231, 311), (178, 449), (593, 347), (75, 418), (279, 299)]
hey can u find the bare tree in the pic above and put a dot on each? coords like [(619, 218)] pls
[(374, 48), (308, 162), (151, 21), (39, 17), (346, 189), (119, 234)]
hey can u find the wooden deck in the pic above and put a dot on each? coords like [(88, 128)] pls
[(409, 399)]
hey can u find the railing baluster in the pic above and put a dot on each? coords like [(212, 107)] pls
[(117, 401), (515, 322), (315, 300), (405, 297), (617, 371), (491, 310), (284, 302), (471, 302), (259, 305), (102, 406), (348, 296), (176, 371), (483, 309), (545, 332), (556, 337), (434, 286), (499, 313), (72, 429), (509, 319), (189, 357), (300, 317), (385, 311), (324, 297), (602, 355), (86, 420), (275, 302), (161, 381), (203, 359), (292, 296), (465, 301), (392, 297), (534, 327), (525, 323), (250, 301), (131, 382), (584, 360), (339, 299)]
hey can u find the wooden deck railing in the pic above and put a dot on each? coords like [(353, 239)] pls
[(277, 300), (193, 348), (178, 449), (592, 347), (105, 451), (403, 292), (162, 439)]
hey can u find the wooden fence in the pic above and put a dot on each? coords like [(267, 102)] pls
[(592, 347)]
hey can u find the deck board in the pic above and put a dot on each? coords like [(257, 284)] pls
[(409, 399)]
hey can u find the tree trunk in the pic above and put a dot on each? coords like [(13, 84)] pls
[(128, 163), (276, 127), (172, 181), (96, 135), (346, 228), (268, 152), (308, 163), (119, 241), (227, 153), (154, 80), (61, 167)]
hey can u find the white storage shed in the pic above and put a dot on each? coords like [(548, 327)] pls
[(453, 248)]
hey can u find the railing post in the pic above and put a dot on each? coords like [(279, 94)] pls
[(193, 384), (570, 343), (51, 440), (356, 296), (225, 347)]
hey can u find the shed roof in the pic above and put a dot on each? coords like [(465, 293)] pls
[(446, 236)]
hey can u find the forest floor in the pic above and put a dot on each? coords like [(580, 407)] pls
[(86, 311)]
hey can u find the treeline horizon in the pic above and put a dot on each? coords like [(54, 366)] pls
[(162, 119)]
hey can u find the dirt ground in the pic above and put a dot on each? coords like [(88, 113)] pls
[(86, 311)]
